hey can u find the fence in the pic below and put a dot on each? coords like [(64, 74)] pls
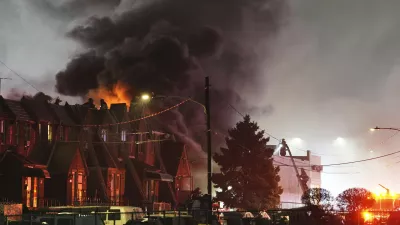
[(199, 217)]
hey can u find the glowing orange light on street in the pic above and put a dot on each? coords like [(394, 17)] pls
[(367, 216), (119, 93)]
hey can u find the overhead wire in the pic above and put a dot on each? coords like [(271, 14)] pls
[(20, 76), (343, 163)]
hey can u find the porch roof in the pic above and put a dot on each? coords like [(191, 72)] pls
[(152, 175), (29, 168), (150, 172)]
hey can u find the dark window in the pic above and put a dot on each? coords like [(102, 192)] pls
[(61, 128), (27, 132), (115, 214), (64, 221)]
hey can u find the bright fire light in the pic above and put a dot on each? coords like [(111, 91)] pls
[(119, 93), (367, 216)]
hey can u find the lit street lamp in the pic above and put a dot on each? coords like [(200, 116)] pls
[(340, 141), (145, 97)]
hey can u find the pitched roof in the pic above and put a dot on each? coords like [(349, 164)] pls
[(17, 109), (77, 112), (119, 111), (62, 114), (104, 158), (40, 153), (38, 109), (171, 154), (62, 156)]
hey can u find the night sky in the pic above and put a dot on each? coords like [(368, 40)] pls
[(330, 70)]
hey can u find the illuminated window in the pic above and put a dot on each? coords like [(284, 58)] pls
[(104, 134), (31, 191), (49, 132), (77, 188), (40, 129), (123, 135)]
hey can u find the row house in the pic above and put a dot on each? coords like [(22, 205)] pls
[(165, 160), (71, 154), (107, 174)]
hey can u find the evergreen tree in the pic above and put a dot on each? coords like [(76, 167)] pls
[(248, 178)]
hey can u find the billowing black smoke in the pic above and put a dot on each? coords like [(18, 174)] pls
[(168, 46)]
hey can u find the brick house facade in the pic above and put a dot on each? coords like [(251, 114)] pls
[(78, 154)]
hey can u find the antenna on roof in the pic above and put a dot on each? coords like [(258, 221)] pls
[(1, 79)]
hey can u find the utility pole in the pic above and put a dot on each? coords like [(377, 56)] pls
[(209, 152), (1, 79), (303, 185)]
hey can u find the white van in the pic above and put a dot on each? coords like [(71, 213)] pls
[(69, 219), (120, 215)]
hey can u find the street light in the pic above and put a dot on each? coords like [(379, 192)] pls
[(145, 97), (340, 141)]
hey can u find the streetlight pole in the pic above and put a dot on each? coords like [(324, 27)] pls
[(209, 152), (385, 128)]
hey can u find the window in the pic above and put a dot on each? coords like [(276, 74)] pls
[(123, 135), (64, 221), (2, 127), (132, 152), (61, 133), (27, 132), (10, 135), (40, 130), (139, 143), (76, 187), (104, 134), (49, 132), (115, 185), (151, 190), (114, 214), (31, 191)]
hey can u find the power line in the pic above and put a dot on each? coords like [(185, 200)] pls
[(343, 163), (284, 164), (15, 73), (241, 114)]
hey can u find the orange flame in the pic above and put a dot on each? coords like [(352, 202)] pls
[(119, 93)]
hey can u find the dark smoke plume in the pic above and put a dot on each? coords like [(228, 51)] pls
[(168, 46)]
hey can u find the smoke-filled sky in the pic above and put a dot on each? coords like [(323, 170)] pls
[(329, 70)]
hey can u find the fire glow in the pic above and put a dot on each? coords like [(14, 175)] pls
[(119, 93)]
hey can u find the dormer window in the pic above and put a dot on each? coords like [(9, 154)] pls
[(104, 134), (49, 132), (123, 135)]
